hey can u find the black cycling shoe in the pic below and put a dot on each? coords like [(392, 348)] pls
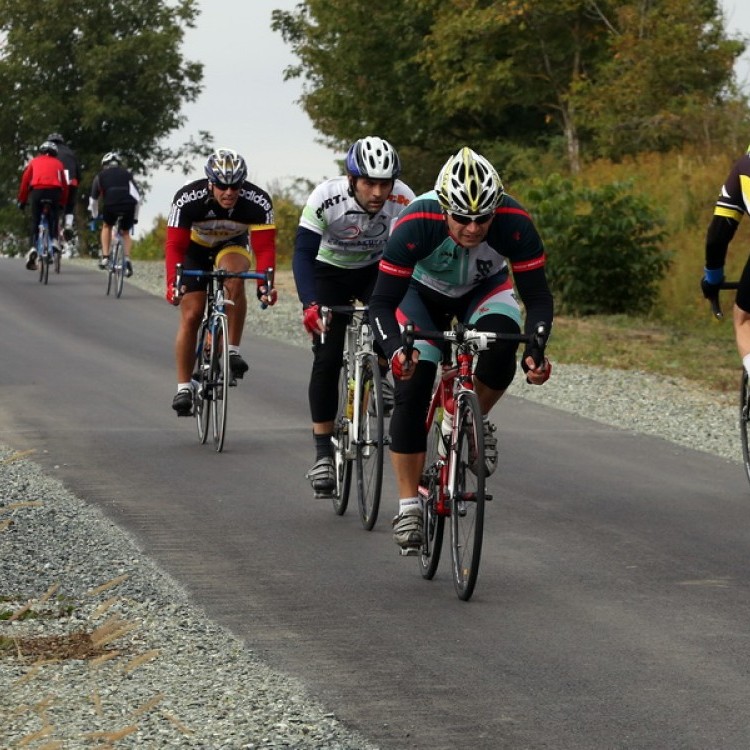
[(182, 403), (237, 365)]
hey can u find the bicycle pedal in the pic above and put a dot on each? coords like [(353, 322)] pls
[(408, 551), (324, 495)]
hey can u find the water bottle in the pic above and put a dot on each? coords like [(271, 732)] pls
[(350, 400)]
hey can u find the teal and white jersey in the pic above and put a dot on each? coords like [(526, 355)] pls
[(350, 237)]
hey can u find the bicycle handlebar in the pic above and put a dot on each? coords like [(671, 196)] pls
[(326, 310), (478, 340), (221, 274), (715, 306)]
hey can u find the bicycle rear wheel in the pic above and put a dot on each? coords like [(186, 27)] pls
[(431, 489), (369, 443), (220, 378), (41, 252), (744, 418), (57, 254), (201, 387), (117, 259), (467, 495), (342, 464)]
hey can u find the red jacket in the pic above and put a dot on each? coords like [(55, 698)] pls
[(43, 171)]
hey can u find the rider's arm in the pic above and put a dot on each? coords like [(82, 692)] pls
[(534, 292), (23, 190), (263, 242), (306, 246), (178, 240), (720, 232), (390, 288)]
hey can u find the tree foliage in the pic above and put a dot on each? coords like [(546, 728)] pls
[(582, 77), (107, 75)]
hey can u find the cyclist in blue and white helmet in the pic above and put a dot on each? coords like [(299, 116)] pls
[(341, 236)]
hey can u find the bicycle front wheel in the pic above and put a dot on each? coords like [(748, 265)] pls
[(41, 252), (57, 255), (220, 377), (118, 266), (369, 442), (467, 495), (744, 417), (202, 388), (431, 489), (340, 439)]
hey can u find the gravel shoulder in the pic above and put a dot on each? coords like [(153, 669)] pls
[(99, 646)]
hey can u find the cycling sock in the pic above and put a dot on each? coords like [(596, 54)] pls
[(233, 349), (406, 503), (184, 387), (323, 446)]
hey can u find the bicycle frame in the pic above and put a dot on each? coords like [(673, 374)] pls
[(358, 434), (214, 374), (44, 247), (446, 487)]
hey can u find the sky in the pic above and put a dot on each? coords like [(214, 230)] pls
[(247, 105)]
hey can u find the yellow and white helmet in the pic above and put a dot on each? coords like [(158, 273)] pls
[(468, 184)]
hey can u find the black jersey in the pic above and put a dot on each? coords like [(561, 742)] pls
[(210, 224)]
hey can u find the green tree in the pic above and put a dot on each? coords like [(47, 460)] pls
[(508, 76), (107, 75), (667, 78)]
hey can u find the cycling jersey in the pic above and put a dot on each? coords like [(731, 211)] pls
[(116, 188), (349, 236), (195, 217), (43, 172), (421, 249)]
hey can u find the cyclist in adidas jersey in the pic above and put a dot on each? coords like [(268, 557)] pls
[(450, 255), (220, 221), (340, 239)]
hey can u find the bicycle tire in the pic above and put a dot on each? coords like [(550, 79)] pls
[(57, 255), (201, 389), (369, 442), (41, 253), (110, 274), (430, 489), (744, 417), (118, 265), (340, 439), (221, 376), (467, 495)]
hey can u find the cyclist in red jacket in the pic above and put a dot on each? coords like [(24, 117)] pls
[(43, 178)]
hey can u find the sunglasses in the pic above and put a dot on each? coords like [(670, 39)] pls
[(466, 220), (223, 187)]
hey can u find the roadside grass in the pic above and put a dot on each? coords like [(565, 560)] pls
[(703, 353)]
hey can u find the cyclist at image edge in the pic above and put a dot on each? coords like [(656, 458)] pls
[(220, 221), (729, 209), (340, 239), (73, 176), (449, 255), (43, 179), (119, 195)]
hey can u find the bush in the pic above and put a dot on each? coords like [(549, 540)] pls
[(603, 244)]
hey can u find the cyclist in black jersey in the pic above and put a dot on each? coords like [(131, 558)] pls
[(219, 221), (119, 195), (448, 256), (729, 209), (73, 176)]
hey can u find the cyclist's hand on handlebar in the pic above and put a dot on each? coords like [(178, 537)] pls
[(311, 319), (174, 295), (21, 206), (536, 374), (710, 291), (267, 298), (400, 367)]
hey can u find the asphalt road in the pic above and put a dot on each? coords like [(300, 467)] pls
[(613, 602)]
